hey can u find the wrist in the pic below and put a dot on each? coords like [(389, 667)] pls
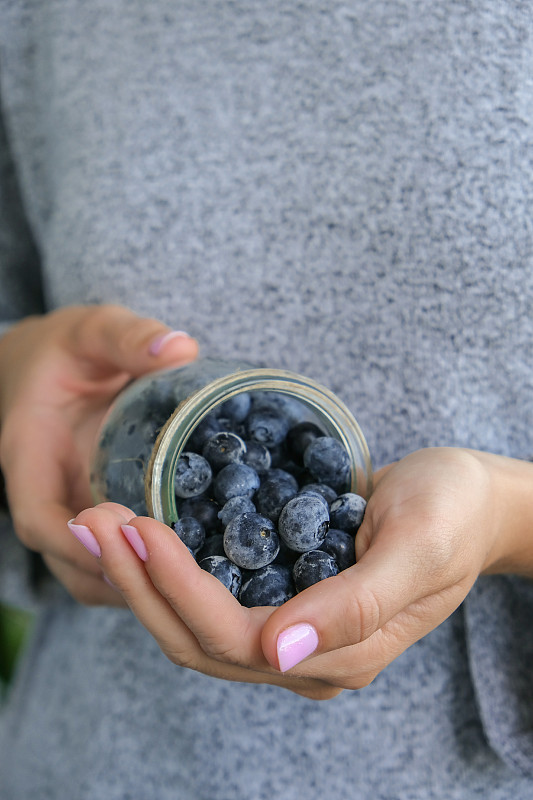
[(511, 551)]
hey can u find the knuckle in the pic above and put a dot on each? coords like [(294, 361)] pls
[(181, 656), (25, 531), (357, 682), (361, 614), (221, 651)]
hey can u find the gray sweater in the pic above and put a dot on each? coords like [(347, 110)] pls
[(343, 189)]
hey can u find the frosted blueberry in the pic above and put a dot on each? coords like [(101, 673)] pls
[(341, 546), (234, 506), (193, 475), (266, 427), (300, 437), (347, 512), (328, 461), (234, 480), (222, 449), (312, 567), (303, 522), (272, 495), (257, 456), (225, 570), (190, 531), (272, 585), (251, 541)]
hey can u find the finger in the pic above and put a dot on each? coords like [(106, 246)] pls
[(128, 573), (85, 588), (37, 489), (224, 629), (380, 474), (350, 607), (116, 338), (356, 666)]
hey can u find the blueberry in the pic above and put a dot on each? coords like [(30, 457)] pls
[(233, 480), (272, 585), (225, 570), (292, 409), (251, 541), (205, 510), (206, 428), (285, 557), (235, 408), (303, 523), (234, 506), (257, 456), (326, 491), (327, 459), (281, 476), (193, 475), (278, 455), (300, 437), (222, 449), (190, 531), (341, 546), (271, 496), (347, 512), (213, 546), (266, 427), (312, 493), (312, 567)]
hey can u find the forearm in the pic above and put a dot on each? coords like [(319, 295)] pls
[(512, 487)]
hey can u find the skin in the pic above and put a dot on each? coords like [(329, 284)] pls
[(58, 375), (436, 520)]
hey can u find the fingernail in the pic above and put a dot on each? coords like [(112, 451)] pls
[(295, 644), (84, 535), (158, 343), (134, 538)]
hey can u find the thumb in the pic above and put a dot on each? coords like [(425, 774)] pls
[(394, 574), (111, 337)]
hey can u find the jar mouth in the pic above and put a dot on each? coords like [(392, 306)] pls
[(323, 405)]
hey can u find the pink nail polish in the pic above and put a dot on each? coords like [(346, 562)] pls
[(295, 644), (158, 343), (134, 538), (84, 535)]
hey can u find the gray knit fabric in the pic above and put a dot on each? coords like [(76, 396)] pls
[(343, 189)]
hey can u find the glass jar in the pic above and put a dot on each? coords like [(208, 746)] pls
[(150, 422)]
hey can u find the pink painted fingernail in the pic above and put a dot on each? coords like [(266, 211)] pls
[(134, 538), (295, 644), (158, 343), (84, 535)]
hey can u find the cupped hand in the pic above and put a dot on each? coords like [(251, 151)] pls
[(58, 375), (196, 621), (435, 521)]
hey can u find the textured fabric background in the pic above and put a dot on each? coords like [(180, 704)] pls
[(343, 189)]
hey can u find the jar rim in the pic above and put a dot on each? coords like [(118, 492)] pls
[(323, 403)]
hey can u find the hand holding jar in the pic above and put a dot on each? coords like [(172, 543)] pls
[(58, 374), (435, 521)]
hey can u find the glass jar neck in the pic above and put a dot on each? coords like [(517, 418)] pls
[(326, 407)]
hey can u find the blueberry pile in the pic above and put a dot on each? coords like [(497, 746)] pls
[(263, 498)]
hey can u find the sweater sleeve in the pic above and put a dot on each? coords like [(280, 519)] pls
[(498, 613), (20, 296), (20, 278)]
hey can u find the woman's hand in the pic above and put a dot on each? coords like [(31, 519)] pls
[(58, 374), (435, 521)]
